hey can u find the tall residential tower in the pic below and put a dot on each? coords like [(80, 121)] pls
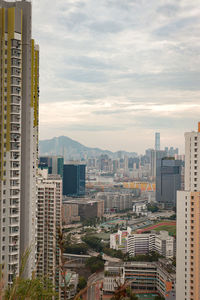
[(188, 223), (19, 95)]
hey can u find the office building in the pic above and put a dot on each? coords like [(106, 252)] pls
[(48, 224), (171, 151), (168, 181), (155, 156), (116, 201), (19, 96), (87, 208), (53, 163), (188, 222), (157, 141), (74, 179), (70, 213)]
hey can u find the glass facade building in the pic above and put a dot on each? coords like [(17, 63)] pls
[(168, 181), (74, 180)]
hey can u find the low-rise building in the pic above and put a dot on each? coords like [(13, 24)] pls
[(118, 240), (138, 244), (71, 279), (143, 243), (87, 208), (70, 213), (143, 277), (140, 209), (116, 201)]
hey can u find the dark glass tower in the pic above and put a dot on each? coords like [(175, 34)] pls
[(74, 180), (168, 181)]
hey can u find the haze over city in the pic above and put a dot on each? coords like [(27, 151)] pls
[(133, 70)]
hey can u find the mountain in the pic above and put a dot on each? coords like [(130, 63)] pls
[(71, 149)]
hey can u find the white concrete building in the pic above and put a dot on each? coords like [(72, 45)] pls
[(19, 97), (136, 244), (140, 243), (188, 223), (140, 209), (118, 240)]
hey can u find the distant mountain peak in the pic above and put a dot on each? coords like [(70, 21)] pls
[(71, 149)]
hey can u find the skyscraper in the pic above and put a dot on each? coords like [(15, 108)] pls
[(168, 181), (19, 96), (157, 141), (74, 179), (155, 156), (53, 163), (188, 223)]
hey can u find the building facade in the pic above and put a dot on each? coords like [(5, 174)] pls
[(155, 156), (87, 208), (19, 97), (70, 213), (116, 201), (53, 163), (188, 222), (138, 244), (168, 181), (74, 179), (48, 226), (143, 277)]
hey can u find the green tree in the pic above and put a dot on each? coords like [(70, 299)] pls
[(27, 289), (93, 242), (95, 264), (82, 282), (76, 248)]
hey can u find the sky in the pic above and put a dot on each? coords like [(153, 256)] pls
[(114, 72)]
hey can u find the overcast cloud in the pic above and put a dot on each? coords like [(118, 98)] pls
[(112, 72)]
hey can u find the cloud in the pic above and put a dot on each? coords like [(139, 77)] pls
[(108, 66)]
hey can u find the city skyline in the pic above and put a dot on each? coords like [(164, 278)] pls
[(133, 68)]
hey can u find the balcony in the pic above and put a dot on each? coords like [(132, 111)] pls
[(16, 44), (15, 138), (15, 62), (15, 109), (15, 146), (15, 128), (15, 72), (16, 53), (16, 100), (15, 119), (16, 81), (14, 166), (16, 90), (15, 156), (14, 174)]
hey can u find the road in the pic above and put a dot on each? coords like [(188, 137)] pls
[(94, 291)]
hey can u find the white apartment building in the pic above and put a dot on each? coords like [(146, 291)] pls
[(140, 243), (136, 244), (48, 225), (188, 223), (19, 97)]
